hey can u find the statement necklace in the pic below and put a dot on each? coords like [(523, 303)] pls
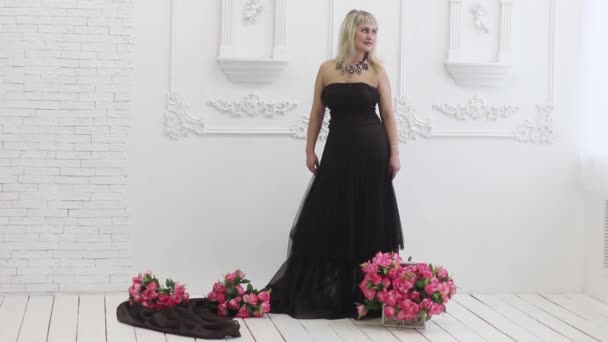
[(351, 69)]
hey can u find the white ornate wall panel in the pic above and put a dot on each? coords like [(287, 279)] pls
[(228, 190), (481, 40), (508, 41)]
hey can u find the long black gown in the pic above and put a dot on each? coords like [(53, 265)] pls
[(348, 214)]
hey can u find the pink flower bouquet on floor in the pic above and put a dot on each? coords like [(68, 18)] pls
[(231, 299), (147, 291), (405, 292)]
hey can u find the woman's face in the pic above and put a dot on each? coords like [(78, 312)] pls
[(365, 37)]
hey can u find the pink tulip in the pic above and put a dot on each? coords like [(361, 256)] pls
[(250, 299), (239, 289), (234, 303), (404, 315), (369, 293), (243, 313), (221, 297), (390, 299), (230, 277), (382, 295), (265, 307), (176, 299), (164, 299), (430, 288), (436, 309), (392, 273), (441, 272), (361, 311), (218, 287), (264, 296), (389, 311)]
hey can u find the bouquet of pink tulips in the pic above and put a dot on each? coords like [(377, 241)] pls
[(148, 291), (404, 291), (231, 299)]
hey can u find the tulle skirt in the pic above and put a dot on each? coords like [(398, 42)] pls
[(348, 214)]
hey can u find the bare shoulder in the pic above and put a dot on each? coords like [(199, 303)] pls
[(325, 70), (327, 66), (380, 70)]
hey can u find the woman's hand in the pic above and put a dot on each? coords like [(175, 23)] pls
[(394, 165), (312, 162)]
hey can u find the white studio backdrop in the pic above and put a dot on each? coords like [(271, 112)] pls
[(132, 140), (500, 214)]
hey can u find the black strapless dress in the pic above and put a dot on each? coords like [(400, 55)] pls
[(348, 214)]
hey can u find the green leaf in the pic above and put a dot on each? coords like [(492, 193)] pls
[(232, 292), (249, 287)]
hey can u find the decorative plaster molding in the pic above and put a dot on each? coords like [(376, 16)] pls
[(539, 131), (408, 126), (475, 109), (244, 70), (479, 74), (258, 70), (479, 17), (252, 105), (252, 9), (300, 129), (178, 121)]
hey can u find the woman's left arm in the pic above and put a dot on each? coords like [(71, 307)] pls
[(387, 114)]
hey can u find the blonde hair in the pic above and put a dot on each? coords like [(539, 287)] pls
[(346, 43)]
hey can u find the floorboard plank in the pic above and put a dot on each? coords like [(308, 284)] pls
[(262, 329), (566, 316), (91, 319), (36, 319), (522, 319), (476, 323), (64, 319), (581, 309), (245, 332), (547, 319), (147, 335), (117, 331), (434, 332), (290, 328), (11, 316), (320, 330), (456, 328), (348, 331), (374, 329), (503, 324)]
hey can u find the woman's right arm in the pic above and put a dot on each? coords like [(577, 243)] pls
[(314, 124)]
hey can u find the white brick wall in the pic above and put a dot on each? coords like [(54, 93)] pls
[(65, 68)]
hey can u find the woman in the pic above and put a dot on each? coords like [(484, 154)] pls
[(349, 212)]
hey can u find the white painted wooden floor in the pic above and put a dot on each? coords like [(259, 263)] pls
[(470, 317)]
